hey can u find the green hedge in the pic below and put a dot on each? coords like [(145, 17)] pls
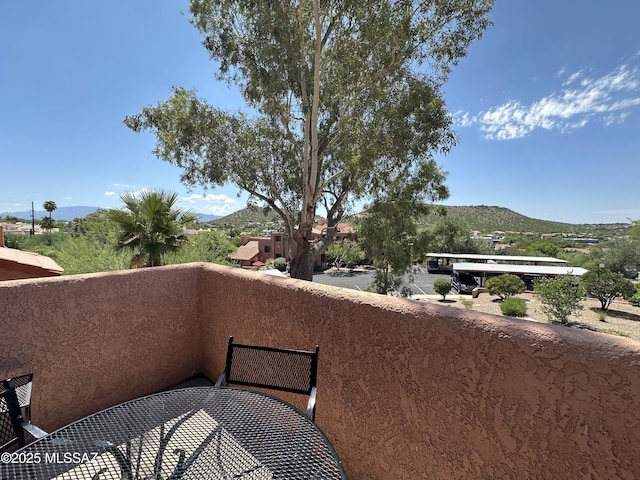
[(514, 307)]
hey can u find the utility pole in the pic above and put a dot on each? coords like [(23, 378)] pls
[(33, 221)]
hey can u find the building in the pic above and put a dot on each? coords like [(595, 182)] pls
[(256, 251), (16, 264)]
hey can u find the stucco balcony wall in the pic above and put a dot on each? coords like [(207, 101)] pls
[(93, 341), (406, 389)]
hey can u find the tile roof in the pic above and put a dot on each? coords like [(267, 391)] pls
[(29, 259), (246, 252)]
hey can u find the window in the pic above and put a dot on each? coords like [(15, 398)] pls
[(278, 238), (267, 249)]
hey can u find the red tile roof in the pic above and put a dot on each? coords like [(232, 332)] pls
[(28, 259)]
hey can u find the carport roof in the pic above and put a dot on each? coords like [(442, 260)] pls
[(518, 269)]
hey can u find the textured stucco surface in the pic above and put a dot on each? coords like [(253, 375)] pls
[(413, 390), (93, 341), (406, 389)]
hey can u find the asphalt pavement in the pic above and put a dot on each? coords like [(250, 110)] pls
[(359, 279)]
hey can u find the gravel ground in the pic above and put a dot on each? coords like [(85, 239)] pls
[(622, 318)]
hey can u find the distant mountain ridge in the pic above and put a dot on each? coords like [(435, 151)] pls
[(488, 219), (67, 214), (483, 218)]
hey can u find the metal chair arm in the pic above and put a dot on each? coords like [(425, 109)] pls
[(220, 379), (311, 405), (36, 432)]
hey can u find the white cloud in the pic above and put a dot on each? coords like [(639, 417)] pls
[(110, 194), (194, 198), (221, 210), (582, 99), (632, 213)]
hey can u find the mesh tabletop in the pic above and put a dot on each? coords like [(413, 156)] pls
[(189, 433)]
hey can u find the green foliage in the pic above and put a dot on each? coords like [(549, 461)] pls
[(488, 219), (90, 249), (249, 217), (340, 94), (467, 303), (560, 297), (623, 256), (442, 287), (611, 331), (150, 226), (505, 286), (606, 285), (602, 316), (635, 298), (514, 307), (50, 206), (451, 234), (345, 252), (634, 231), (47, 223), (388, 229), (202, 247), (280, 263), (543, 248)]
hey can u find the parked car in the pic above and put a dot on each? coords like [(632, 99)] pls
[(463, 282), (433, 266)]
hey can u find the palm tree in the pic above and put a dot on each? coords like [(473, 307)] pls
[(49, 206), (150, 226)]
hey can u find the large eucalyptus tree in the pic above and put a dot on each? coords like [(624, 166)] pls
[(338, 91)]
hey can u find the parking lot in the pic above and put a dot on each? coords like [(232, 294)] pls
[(359, 279)]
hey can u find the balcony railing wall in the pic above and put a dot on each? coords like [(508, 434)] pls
[(406, 389)]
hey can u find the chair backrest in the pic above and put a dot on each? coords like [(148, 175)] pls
[(273, 368), (11, 432), (22, 386)]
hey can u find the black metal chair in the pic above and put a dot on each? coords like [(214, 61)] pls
[(15, 398), (273, 368)]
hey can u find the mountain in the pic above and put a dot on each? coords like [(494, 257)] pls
[(251, 216), (67, 214), (487, 219), (60, 213)]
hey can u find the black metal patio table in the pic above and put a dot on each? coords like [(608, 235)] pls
[(188, 433)]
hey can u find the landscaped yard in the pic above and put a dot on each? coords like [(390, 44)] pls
[(622, 318)]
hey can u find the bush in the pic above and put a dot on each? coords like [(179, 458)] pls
[(635, 300), (442, 287), (514, 307), (505, 286), (280, 263), (606, 285), (560, 297)]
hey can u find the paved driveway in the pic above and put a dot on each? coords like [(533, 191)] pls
[(360, 279)]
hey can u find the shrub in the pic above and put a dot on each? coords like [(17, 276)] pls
[(560, 296), (606, 285), (635, 299), (505, 286), (467, 303), (514, 307), (280, 263), (442, 287)]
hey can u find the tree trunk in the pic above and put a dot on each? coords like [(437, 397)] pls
[(303, 266)]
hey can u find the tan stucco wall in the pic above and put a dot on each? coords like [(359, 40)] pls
[(411, 390), (93, 341), (406, 389)]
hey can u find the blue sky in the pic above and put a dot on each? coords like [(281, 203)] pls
[(546, 106)]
